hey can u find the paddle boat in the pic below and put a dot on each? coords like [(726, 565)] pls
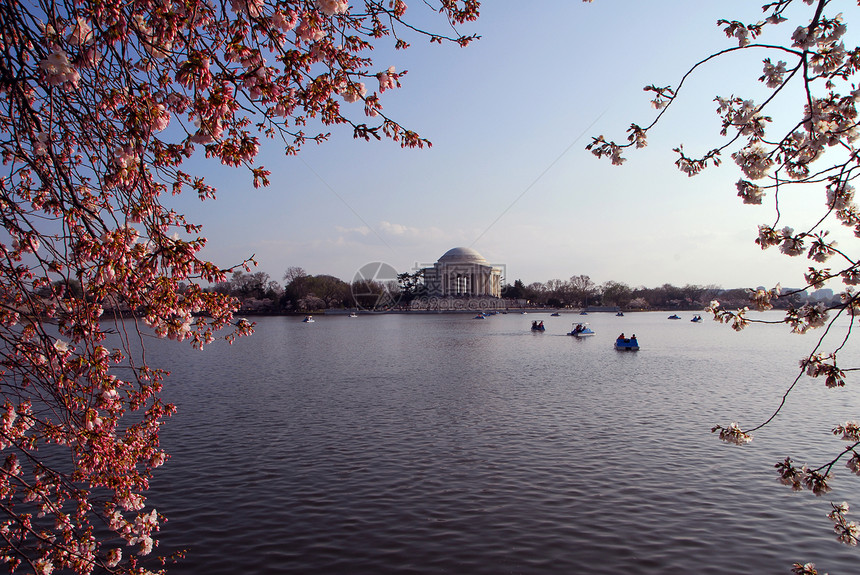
[(308, 319), (696, 319), (556, 314), (626, 343), (479, 316), (674, 316), (581, 330), (619, 314), (353, 314), (538, 326)]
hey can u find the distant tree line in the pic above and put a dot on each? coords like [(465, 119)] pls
[(304, 293), (580, 291)]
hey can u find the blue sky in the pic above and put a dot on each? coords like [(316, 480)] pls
[(508, 175)]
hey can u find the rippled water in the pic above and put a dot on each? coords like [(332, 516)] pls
[(443, 444)]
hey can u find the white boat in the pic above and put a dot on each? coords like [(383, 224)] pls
[(353, 314), (308, 319), (581, 330)]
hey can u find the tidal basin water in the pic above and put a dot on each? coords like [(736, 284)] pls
[(430, 444)]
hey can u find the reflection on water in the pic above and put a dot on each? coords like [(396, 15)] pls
[(443, 444)]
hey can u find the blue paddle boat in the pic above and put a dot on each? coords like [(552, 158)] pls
[(626, 343)]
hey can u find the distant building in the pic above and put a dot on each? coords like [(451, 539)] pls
[(463, 272)]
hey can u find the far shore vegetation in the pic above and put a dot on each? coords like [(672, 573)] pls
[(303, 293)]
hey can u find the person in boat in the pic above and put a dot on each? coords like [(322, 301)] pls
[(621, 337), (578, 328), (534, 324), (540, 325), (633, 340)]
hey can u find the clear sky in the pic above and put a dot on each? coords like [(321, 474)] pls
[(508, 175)]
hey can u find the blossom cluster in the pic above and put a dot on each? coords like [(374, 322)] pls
[(751, 193), (799, 478), (732, 434), (332, 7), (774, 74), (737, 318), (761, 298), (846, 531), (806, 317), (754, 160), (742, 115), (600, 148), (58, 69), (663, 95), (804, 569), (853, 463), (850, 431), (824, 365)]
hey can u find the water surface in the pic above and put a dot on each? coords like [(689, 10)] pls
[(439, 443)]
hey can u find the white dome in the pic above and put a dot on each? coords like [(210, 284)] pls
[(462, 255)]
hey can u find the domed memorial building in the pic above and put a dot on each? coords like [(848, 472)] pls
[(463, 272)]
